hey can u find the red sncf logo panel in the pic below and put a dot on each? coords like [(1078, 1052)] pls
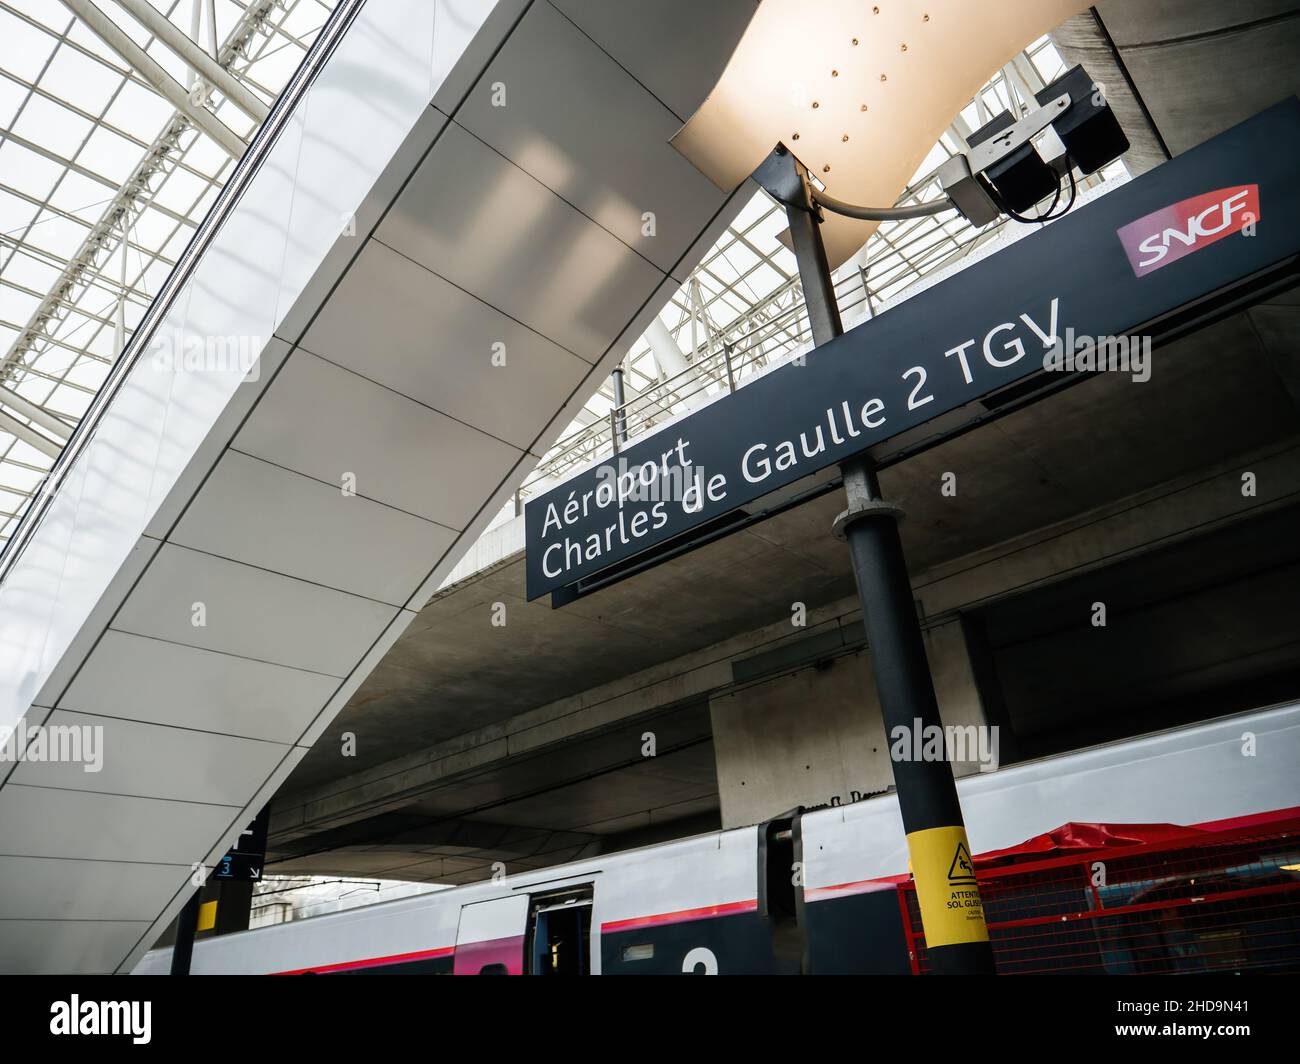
[(1174, 232)]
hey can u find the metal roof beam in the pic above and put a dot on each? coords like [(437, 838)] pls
[(163, 83), (35, 413), (45, 338), (48, 258), (198, 60), (90, 175), (80, 112), (89, 315), (29, 435)]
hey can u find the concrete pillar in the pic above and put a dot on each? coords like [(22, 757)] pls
[(814, 736)]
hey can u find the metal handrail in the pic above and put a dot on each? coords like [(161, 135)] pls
[(727, 361)]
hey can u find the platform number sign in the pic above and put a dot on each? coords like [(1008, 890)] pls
[(244, 860)]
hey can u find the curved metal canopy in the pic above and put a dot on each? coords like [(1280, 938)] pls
[(858, 91)]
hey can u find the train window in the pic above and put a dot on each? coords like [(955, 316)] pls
[(560, 934), (642, 951)]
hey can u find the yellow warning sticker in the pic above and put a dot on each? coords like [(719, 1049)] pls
[(951, 910)]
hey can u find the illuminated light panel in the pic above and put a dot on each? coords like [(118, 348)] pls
[(858, 91)]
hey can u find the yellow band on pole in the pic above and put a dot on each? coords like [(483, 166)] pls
[(207, 916), (951, 910)]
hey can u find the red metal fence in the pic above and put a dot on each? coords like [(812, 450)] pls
[(1222, 901)]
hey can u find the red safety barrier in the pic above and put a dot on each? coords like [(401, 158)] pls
[(1139, 899)]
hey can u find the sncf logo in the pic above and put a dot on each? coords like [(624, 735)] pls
[(1175, 231)]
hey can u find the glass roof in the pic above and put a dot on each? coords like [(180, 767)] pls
[(102, 183)]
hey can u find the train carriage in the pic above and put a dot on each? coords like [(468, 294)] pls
[(1197, 869)]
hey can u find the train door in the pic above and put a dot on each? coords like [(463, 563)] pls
[(559, 932), (490, 937)]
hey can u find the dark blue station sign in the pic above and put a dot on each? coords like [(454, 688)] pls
[(1219, 218)]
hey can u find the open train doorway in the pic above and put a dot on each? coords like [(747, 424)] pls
[(559, 932)]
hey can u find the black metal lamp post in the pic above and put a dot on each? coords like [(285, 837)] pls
[(956, 935)]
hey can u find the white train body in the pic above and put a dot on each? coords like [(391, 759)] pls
[(702, 904)]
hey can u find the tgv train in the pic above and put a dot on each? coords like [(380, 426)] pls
[(727, 902)]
